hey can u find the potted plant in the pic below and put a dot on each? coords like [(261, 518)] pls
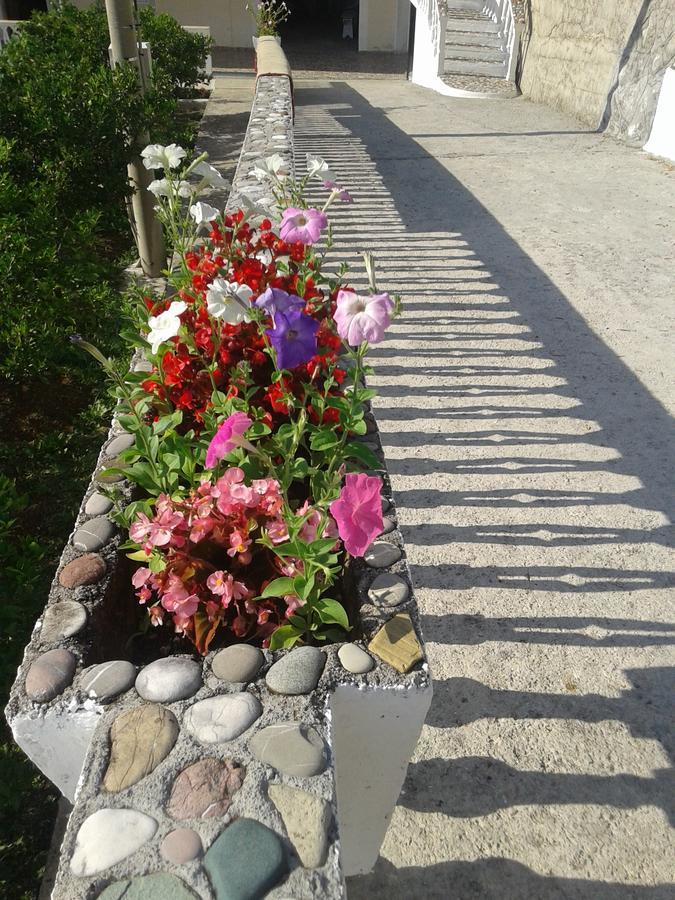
[(268, 15)]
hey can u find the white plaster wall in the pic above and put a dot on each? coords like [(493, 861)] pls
[(383, 25), (230, 24), (426, 59), (662, 139)]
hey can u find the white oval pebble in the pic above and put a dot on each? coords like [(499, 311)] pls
[(108, 836), (222, 718), (354, 659), (169, 679)]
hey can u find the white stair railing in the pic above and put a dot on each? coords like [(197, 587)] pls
[(501, 12), (8, 28)]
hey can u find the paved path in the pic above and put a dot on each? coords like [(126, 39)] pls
[(523, 407)]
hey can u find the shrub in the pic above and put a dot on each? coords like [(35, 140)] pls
[(177, 55)]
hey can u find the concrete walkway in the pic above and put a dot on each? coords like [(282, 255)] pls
[(523, 404)]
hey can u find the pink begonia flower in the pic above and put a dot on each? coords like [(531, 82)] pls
[(308, 531), (229, 435), (156, 614), (159, 531), (223, 585), (292, 602), (277, 531), (304, 225), (358, 512), (178, 600), (362, 318)]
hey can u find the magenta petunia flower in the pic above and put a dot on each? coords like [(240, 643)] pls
[(358, 512), (229, 435), (304, 225), (362, 318), (274, 301), (293, 337)]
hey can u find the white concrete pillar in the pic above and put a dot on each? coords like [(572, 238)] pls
[(374, 734)]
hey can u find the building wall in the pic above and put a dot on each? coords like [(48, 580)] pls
[(231, 25), (383, 25), (600, 60)]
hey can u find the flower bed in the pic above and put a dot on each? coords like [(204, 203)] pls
[(243, 533)]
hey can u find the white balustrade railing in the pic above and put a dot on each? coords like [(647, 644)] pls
[(8, 28), (501, 12)]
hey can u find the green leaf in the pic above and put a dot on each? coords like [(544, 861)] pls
[(278, 588), (358, 427), (331, 612), (300, 469), (359, 451), (138, 556), (285, 636), (323, 440)]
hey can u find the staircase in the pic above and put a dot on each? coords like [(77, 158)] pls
[(473, 43)]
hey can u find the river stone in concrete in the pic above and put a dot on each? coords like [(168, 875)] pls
[(181, 845), (222, 718), (166, 680), (107, 837), (396, 643), (62, 620), (382, 554), (389, 590), (121, 442), (306, 818), (237, 664), (108, 679), (388, 525), (205, 789), (354, 659), (245, 862), (159, 886), (50, 675), (94, 534), (140, 739), (87, 569), (292, 748), (110, 477), (98, 505), (386, 505), (298, 672)]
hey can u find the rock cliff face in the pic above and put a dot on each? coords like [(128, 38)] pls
[(600, 60)]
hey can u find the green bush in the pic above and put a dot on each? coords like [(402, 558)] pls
[(177, 55)]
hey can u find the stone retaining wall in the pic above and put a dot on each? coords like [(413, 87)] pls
[(248, 773), (603, 61)]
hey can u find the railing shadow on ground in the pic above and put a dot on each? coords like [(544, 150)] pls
[(456, 250)]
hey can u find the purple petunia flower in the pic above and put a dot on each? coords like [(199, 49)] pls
[(304, 225), (293, 337), (274, 301)]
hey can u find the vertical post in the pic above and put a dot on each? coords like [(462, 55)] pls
[(147, 229)]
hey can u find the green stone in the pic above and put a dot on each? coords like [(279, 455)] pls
[(245, 862), (159, 886)]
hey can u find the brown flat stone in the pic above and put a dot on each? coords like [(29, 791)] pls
[(50, 675), (141, 739), (205, 789), (87, 569), (396, 643)]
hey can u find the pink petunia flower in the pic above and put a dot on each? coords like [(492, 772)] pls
[(304, 225), (362, 318), (358, 512), (229, 435)]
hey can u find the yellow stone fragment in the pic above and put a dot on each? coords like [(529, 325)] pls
[(396, 643)]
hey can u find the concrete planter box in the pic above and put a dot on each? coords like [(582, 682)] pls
[(88, 731)]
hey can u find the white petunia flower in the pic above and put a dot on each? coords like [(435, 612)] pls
[(264, 256), (166, 325), (209, 176), (202, 212), (228, 300), (319, 168), (156, 156), (161, 188), (273, 165)]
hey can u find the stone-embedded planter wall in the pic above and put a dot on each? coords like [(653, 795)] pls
[(245, 774)]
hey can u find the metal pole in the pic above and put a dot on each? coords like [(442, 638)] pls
[(145, 225)]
